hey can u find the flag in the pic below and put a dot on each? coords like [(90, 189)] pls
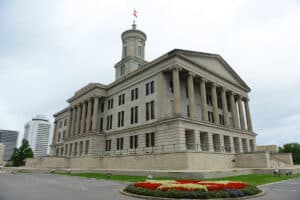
[(134, 13)]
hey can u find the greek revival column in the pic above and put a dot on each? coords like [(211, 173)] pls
[(203, 100), (55, 133), (95, 113), (176, 88), (224, 105), (83, 118), (88, 117), (73, 121), (161, 90), (248, 115), (191, 91), (77, 127), (215, 104), (241, 114), (233, 111), (69, 123)]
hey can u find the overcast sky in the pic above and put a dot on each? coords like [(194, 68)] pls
[(50, 49)]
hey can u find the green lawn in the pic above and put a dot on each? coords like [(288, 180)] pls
[(252, 179)]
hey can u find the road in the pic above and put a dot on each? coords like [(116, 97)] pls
[(37, 186)]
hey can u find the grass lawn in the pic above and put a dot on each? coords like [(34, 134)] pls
[(252, 179)]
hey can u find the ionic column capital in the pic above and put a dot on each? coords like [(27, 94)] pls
[(192, 74), (175, 67)]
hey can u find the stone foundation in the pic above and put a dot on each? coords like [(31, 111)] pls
[(165, 161)]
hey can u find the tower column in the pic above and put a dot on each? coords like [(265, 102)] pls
[(69, 123), (73, 122), (233, 111), (241, 113), (215, 104), (248, 115), (95, 113), (224, 105), (77, 126), (176, 89), (88, 117), (203, 100), (191, 95), (83, 118)]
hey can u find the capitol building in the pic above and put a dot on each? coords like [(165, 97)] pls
[(183, 110)]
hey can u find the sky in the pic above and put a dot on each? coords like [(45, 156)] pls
[(51, 48)]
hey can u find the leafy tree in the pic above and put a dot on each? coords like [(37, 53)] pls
[(293, 148), (19, 155)]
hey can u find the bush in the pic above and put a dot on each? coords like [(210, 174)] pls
[(198, 194)]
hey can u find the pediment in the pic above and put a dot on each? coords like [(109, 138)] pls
[(215, 64)]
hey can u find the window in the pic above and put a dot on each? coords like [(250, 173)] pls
[(86, 150), (57, 151), (171, 86), (140, 51), (150, 110), (71, 149), (61, 151), (121, 99), (221, 119), (122, 72), (109, 122), (187, 91), (125, 51), (188, 110), (65, 122), (134, 115), (133, 142), (64, 134), (210, 117), (101, 124), (121, 119), (66, 149), (59, 136), (220, 102), (110, 104), (120, 143), (102, 107), (150, 88), (134, 94), (107, 145), (60, 124), (150, 139), (209, 100)]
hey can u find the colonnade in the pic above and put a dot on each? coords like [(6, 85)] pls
[(238, 119), (83, 117)]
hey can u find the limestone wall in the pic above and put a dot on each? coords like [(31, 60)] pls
[(285, 157), (204, 161), (47, 162), (253, 160)]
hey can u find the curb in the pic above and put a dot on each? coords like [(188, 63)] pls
[(122, 191), (278, 182)]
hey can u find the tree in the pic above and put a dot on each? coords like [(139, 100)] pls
[(294, 149), (20, 154)]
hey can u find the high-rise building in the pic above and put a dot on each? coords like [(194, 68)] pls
[(2, 146), (37, 132), (9, 139)]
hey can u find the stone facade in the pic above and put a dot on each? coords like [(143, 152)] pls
[(180, 102)]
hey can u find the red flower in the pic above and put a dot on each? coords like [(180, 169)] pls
[(150, 186), (187, 181)]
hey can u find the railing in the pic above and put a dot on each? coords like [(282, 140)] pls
[(171, 148)]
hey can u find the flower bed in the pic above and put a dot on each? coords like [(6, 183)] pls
[(192, 189)]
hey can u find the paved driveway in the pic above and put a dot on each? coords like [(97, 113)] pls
[(287, 190), (56, 187)]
